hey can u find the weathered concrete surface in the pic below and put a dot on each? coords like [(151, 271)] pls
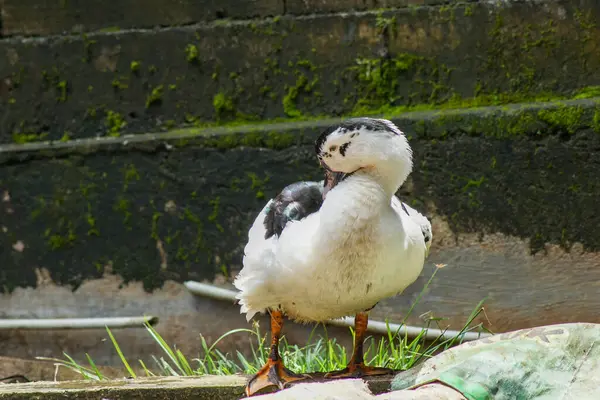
[(298, 7), (206, 387), (34, 17), (108, 83), (209, 388), (111, 221)]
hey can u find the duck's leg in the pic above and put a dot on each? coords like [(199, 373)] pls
[(274, 373), (356, 367)]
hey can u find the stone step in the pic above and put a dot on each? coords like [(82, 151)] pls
[(205, 387), (107, 83)]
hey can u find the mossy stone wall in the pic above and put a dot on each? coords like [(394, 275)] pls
[(179, 208), (274, 62)]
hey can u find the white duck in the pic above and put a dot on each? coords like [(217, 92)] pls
[(317, 252)]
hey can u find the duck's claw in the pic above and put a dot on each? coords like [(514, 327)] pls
[(274, 373), (358, 371)]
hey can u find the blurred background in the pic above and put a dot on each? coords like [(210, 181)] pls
[(140, 138)]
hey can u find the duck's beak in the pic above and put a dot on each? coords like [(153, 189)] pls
[(331, 180)]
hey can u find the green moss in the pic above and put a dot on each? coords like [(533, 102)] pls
[(384, 23), (564, 117), (154, 225), (447, 13), (473, 183), (87, 48), (62, 87), (135, 66), (22, 138), (191, 53), (279, 140), (215, 203), (468, 11), (303, 85), (124, 206), (384, 82), (587, 92), (114, 123), (155, 96), (197, 222), (596, 121), (257, 184), (223, 105), (56, 240), (118, 84), (130, 174), (93, 230)]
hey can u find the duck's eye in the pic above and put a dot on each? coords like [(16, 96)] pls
[(332, 148)]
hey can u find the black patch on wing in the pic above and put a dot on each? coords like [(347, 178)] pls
[(404, 208), (425, 236), (294, 203)]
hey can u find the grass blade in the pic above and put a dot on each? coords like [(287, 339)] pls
[(120, 353), (93, 365)]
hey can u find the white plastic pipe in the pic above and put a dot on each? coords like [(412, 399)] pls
[(380, 327), (77, 323)]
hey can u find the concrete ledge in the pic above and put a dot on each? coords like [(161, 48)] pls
[(210, 387), (526, 119), (205, 388)]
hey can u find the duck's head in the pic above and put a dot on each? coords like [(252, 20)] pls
[(374, 145)]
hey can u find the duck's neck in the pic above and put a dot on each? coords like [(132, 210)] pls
[(357, 200)]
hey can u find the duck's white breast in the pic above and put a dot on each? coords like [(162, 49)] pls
[(351, 275)]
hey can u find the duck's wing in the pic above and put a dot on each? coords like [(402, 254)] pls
[(255, 281), (294, 203), (416, 216)]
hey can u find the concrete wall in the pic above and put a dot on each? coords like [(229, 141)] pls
[(108, 81), (112, 227)]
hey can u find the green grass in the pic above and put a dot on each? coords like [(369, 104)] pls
[(392, 111), (320, 354)]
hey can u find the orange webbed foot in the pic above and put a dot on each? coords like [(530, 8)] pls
[(274, 373)]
